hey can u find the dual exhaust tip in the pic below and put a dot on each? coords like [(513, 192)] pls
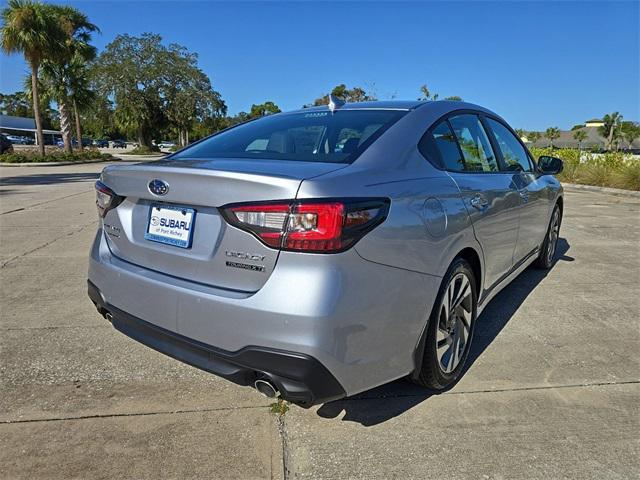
[(266, 388)]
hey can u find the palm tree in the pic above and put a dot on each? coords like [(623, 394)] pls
[(610, 130), (580, 136), (30, 28), (82, 96), (63, 72), (630, 132), (533, 137), (552, 133), (427, 95)]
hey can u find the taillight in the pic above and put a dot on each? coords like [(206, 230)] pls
[(319, 226), (106, 199)]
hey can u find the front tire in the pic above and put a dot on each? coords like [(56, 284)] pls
[(548, 251), (450, 328)]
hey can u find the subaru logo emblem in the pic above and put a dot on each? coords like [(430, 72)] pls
[(158, 187)]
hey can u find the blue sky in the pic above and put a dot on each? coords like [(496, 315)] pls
[(538, 64)]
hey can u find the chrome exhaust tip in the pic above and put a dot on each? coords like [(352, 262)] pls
[(266, 388)]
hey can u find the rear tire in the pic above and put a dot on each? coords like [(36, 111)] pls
[(450, 328), (548, 250)]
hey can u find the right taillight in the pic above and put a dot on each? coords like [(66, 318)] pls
[(317, 226)]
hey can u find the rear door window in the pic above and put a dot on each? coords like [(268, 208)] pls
[(475, 146)]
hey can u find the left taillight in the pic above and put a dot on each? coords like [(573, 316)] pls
[(314, 226), (106, 199)]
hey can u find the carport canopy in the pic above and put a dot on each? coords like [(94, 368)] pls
[(21, 125)]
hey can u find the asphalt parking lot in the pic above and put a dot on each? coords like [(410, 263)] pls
[(552, 390)]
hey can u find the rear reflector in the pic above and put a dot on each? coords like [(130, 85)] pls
[(319, 226)]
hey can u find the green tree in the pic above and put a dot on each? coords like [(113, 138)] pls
[(611, 128), (154, 86), (262, 109), (190, 98), (580, 136), (426, 94), (15, 104), (349, 95), (630, 131), (63, 72), (454, 98), (520, 132), (552, 133), (82, 95), (32, 29), (533, 137)]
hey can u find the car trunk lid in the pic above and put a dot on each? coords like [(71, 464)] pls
[(218, 254)]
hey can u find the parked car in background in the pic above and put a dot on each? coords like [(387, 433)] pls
[(18, 140), (278, 254), (102, 143), (5, 144), (119, 144), (86, 142), (165, 144)]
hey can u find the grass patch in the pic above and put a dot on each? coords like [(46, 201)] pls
[(33, 156), (143, 150), (279, 407), (612, 169)]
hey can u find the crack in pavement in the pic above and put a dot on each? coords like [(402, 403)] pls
[(21, 209), (498, 390), (281, 421), (139, 414), (53, 327), (68, 234), (286, 452)]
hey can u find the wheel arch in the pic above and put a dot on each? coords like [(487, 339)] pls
[(471, 256)]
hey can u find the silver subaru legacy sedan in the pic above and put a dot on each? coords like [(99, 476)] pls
[(323, 252)]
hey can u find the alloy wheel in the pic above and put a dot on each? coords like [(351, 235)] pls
[(554, 233), (454, 323)]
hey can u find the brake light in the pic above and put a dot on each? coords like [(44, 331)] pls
[(106, 199), (320, 226)]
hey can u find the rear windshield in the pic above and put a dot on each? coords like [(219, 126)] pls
[(314, 136)]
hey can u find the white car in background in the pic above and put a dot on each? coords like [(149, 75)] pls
[(165, 144)]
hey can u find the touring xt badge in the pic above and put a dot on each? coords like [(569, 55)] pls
[(246, 256)]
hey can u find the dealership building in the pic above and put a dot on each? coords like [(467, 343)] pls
[(26, 127)]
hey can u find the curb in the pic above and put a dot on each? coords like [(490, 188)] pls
[(610, 191), (55, 164)]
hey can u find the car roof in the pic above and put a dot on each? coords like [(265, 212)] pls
[(377, 105), (403, 105)]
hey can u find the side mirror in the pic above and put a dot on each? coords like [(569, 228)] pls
[(550, 165)]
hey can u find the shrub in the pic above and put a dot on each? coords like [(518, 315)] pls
[(610, 169), (628, 176), (143, 150), (33, 156)]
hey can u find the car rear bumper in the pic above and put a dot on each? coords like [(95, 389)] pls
[(325, 326), (299, 378)]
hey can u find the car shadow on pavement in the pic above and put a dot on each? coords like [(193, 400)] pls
[(49, 178), (388, 401)]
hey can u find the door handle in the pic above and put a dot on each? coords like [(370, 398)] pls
[(524, 195), (479, 202)]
